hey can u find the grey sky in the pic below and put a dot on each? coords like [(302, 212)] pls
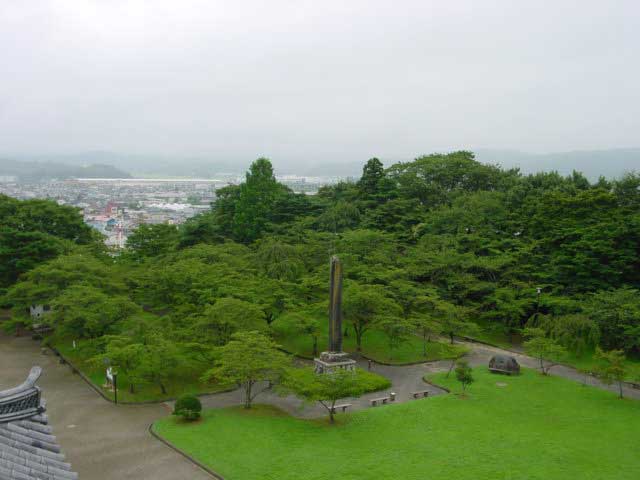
[(317, 79)]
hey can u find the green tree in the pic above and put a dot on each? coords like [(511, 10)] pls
[(617, 315), (23, 251), (464, 374), (126, 355), (453, 320), (612, 368), (427, 327), (398, 331), (545, 349), (255, 202), (152, 240), (227, 316), (161, 360), (372, 174), (86, 312), (304, 322), (279, 260), (248, 359), (328, 388), (365, 306)]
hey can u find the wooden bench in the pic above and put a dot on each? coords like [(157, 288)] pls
[(374, 401), (421, 394), (343, 407)]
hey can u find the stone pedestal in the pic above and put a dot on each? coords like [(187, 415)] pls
[(331, 361)]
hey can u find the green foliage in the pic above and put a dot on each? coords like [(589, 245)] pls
[(617, 314), (188, 407), (545, 349), (86, 312), (612, 367), (152, 240), (328, 388), (221, 320), (34, 231), (432, 246), (464, 374), (249, 358), (366, 305)]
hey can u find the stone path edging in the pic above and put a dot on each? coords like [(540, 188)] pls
[(157, 436)]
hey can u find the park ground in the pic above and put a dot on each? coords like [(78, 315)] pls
[(105, 441), (525, 427)]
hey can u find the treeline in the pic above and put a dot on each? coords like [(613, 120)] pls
[(441, 245)]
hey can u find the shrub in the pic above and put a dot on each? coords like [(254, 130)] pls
[(188, 407)]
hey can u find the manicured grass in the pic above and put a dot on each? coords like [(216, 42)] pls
[(587, 362), (493, 334), (375, 345), (187, 383), (534, 427)]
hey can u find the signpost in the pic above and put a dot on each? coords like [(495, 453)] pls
[(112, 377)]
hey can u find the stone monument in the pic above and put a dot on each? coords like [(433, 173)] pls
[(335, 358)]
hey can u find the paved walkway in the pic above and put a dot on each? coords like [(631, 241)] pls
[(101, 440), (405, 380)]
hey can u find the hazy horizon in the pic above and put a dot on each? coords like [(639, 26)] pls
[(302, 82)]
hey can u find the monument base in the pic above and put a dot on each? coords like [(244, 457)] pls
[(329, 362)]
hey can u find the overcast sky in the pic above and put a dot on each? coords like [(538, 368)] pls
[(322, 79)]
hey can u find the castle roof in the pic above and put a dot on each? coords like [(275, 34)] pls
[(28, 449)]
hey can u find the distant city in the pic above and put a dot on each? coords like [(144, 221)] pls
[(117, 206)]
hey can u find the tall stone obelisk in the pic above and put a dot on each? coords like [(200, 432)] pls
[(335, 306), (335, 358)]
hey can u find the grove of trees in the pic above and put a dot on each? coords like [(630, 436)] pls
[(442, 245)]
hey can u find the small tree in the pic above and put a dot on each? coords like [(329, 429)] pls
[(612, 368), (188, 407), (304, 322), (426, 327), (545, 349), (328, 388), (249, 358), (366, 305), (398, 331), (464, 374), (453, 320)]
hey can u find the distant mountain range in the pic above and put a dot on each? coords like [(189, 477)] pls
[(593, 164), (28, 171), (609, 163)]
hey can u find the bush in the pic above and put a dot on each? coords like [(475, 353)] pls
[(188, 407)]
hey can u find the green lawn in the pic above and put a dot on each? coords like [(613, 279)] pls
[(375, 345), (187, 383), (535, 427)]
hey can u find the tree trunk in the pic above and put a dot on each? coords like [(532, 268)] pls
[(424, 344), (359, 340), (315, 346), (163, 389), (620, 388), (451, 336), (453, 362), (331, 410), (131, 388), (247, 395)]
